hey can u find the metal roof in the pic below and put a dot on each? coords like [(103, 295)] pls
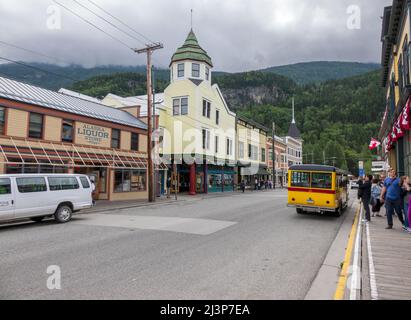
[(26, 93)]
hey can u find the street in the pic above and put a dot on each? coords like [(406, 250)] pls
[(239, 246)]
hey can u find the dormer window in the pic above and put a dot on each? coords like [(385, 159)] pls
[(180, 70), (195, 70)]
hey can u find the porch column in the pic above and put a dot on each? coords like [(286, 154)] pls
[(192, 179)]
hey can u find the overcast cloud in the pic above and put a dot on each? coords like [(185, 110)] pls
[(239, 35)]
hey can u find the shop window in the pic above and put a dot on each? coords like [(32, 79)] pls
[(36, 126), (67, 134), (31, 185), (63, 183), (130, 181), (115, 138), (5, 186), (134, 141), (2, 119)]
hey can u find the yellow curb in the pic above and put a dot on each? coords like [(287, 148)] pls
[(342, 282)]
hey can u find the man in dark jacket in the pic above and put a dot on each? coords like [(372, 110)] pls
[(359, 182), (366, 196)]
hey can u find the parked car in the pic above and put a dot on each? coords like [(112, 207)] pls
[(37, 196), (354, 185)]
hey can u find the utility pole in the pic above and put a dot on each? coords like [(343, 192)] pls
[(274, 159), (149, 51)]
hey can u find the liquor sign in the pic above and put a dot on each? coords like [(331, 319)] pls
[(92, 135)]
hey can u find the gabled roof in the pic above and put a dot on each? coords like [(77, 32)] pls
[(191, 50), (78, 95), (21, 92)]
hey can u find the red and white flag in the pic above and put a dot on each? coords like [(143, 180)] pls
[(374, 144)]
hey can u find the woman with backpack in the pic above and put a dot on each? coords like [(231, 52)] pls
[(375, 198)]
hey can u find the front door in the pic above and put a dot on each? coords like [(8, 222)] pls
[(95, 176), (6, 200)]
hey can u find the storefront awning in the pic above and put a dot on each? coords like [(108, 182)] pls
[(21, 151)]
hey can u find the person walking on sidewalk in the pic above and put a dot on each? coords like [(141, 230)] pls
[(375, 198), (242, 186), (366, 197), (359, 193), (405, 198), (391, 196)]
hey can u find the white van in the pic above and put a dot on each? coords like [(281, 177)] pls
[(37, 196)]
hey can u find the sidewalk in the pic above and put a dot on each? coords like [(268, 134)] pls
[(105, 205), (386, 261)]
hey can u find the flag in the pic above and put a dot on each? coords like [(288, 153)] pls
[(405, 117), (374, 144)]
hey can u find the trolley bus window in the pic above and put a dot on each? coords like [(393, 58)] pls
[(321, 181), (300, 179)]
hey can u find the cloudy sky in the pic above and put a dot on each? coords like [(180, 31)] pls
[(238, 34)]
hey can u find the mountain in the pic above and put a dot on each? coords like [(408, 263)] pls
[(320, 71), (55, 77), (337, 118)]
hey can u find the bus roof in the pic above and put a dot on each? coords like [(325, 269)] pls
[(316, 167)]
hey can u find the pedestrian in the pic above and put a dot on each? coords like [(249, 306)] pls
[(266, 184), (375, 197), (242, 186), (93, 189), (366, 197), (168, 187), (359, 194), (405, 198), (391, 196), (256, 184)]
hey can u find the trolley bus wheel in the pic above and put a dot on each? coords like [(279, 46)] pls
[(300, 211), (339, 211)]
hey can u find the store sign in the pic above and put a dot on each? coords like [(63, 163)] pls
[(91, 134)]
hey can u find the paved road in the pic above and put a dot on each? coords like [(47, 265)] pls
[(236, 247)]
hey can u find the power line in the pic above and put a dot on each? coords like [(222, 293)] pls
[(93, 25), (30, 51), (118, 20), (110, 23), (38, 69)]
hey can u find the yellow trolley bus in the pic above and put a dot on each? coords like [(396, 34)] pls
[(317, 188)]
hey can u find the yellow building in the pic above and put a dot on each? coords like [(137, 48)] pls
[(42, 131), (196, 127), (396, 54)]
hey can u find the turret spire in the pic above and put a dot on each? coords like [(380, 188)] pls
[(293, 121)]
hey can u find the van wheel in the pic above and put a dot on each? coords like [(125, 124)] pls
[(300, 211), (63, 214), (37, 219)]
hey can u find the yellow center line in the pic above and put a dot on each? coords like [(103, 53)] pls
[(342, 282)]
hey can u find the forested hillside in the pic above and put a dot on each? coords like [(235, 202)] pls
[(337, 118)]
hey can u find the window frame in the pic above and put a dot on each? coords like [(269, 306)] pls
[(206, 109), (206, 135), (3, 122), (134, 147), (180, 70), (72, 128), (195, 73), (29, 129), (113, 139), (23, 178)]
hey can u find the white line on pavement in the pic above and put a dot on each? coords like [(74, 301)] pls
[(373, 281), (356, 271)]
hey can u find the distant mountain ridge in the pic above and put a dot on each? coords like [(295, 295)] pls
[(301, 73), (321, 71)]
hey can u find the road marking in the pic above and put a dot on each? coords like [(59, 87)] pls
[(373, 281), (172, 224), (340, 291), (356, 269)]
